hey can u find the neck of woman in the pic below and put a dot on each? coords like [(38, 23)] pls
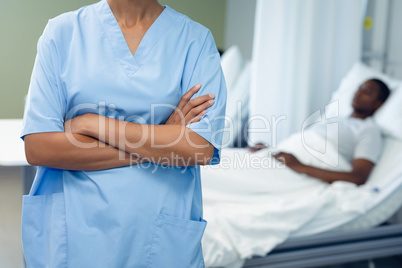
[(130, 13)]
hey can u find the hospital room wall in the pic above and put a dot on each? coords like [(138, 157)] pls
[(22, 22), (394, 66), (239, 26), (382, 40), (392, 42), (239, 30)]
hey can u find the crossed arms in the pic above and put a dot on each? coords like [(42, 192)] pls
[(94, 142)]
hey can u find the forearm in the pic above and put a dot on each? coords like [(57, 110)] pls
[(166, 144), (331, 176), (73, 152)]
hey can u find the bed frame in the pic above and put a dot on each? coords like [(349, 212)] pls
[(334, 248)]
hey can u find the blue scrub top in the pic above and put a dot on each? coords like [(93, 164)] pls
[(146, 215)]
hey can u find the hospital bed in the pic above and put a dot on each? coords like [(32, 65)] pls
[(336, 237), (333, 238), (354, 239)]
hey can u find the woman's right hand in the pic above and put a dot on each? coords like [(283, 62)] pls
[(190, 111)]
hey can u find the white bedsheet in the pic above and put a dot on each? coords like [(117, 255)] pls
[(251, 208), (385, 179)]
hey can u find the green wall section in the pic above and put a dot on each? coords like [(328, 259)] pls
[(22, 22)]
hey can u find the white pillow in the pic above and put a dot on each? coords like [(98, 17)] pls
[(232, 64), (351, 82), (389, 116), (235, 115)]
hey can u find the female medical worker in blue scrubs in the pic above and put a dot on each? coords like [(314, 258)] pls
[(104, 83)]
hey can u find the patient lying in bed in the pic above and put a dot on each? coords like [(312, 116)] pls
[(359, 140), (251, 210)]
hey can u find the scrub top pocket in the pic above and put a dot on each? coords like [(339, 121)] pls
[(44, 231), (176, 243)]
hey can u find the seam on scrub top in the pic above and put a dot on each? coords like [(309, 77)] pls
[(129, 70), (140, 61), (202, 257), (196, 62), (65, 223), (54, 55), (62, 93), (196, 227), (123, 65), (175, 22), (148, 260)]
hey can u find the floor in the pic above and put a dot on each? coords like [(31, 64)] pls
[(10, 221)]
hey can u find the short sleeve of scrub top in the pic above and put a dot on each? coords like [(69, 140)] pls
[(147, 215), (207, 71), (45, 102)]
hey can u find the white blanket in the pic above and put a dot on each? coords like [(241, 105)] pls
[(253, 202)]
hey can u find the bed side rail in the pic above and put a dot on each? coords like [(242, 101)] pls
[(334, 248)]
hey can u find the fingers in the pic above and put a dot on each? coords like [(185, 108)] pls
[(276, 154), (252, 149), (281, 156), (187, 96), (191, 110), (197, 118), (197, 110), (204, 99)]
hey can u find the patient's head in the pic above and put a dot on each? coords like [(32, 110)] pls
[(369, 97)]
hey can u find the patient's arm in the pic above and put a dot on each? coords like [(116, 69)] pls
[(359, 174)]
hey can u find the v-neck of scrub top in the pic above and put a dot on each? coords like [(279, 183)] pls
[(155, 32)]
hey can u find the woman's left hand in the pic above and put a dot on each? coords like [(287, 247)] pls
[(290, 161), (190, 111)]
